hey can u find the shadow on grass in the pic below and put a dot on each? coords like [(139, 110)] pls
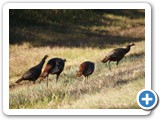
[(79, 38), (68, 28)]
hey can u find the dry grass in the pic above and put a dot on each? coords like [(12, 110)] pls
[(105, 89), (109, 98), (70, 88)]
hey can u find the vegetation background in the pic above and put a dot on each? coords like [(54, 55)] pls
[(77, 35)]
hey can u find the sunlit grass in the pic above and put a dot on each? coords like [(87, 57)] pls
[(104, 89), (119, 97), (69, 87)]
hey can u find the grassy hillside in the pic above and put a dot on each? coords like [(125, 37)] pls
[(88, 39)]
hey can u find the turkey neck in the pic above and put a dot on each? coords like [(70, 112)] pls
[(128, 48), (40, 65)]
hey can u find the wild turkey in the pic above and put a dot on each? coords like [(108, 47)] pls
[(117, 54), (33, 73), (85, 69), (54, 66)]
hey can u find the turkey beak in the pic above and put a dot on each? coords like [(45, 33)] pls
[(132, 44)]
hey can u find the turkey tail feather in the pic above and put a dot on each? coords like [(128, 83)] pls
[(19, 80), (105, 60)]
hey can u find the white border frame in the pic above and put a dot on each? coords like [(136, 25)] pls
[(8, 6)]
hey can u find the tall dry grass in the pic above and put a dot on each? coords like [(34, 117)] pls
[(130, 72), (104, 89)]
